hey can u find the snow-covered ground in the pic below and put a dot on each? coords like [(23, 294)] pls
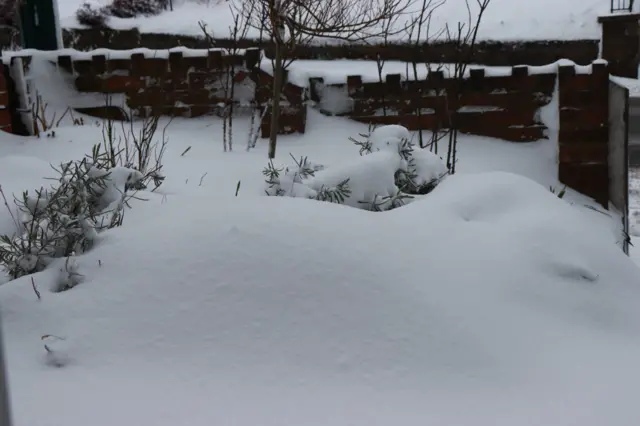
[(490, 301), (504, 19), (634, 213)]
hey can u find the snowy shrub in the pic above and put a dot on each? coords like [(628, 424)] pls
[(69, 276), (292, 182), (389, 173), (91, 15), (134, 8), (65, 219), (133, 149), (365, 143), (420, 171), (560, 194), (45, 122)]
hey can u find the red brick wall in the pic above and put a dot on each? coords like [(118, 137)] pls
[(5, 112), (180, 85), (158, 83), (293, 110), (621, 43), (584, 131), (502, 107), (508, 104), (511, 104)]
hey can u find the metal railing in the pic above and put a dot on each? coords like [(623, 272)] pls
[(621, 6)]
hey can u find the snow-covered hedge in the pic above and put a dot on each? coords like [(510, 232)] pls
[(134, 8), (389, 173), (93, 14), (65, 219)]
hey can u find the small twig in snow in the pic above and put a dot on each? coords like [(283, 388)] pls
[(51, 336), (6, 203), (596, 210), (66, 111), (35, 289)]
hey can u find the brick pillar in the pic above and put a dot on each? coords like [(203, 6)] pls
[(584, 131), (5, 113), (621, 43)]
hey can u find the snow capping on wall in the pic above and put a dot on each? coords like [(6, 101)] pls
[(336, 72), (77, 55)]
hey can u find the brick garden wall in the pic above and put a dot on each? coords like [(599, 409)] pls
[(293, 111), (5, 111), (183, 84), (584, 131), (504, 107), (621, 43)]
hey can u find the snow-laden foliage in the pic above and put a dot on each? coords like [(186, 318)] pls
[(131, 148), (134, 8), (65, 219), (92, 15), (390, 172)]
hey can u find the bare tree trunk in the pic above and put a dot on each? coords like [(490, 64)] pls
[(380, 67), (451, 138), (231, 123), (224, 128), (455, 151), (252, 125), (419, 107), (275, 102)]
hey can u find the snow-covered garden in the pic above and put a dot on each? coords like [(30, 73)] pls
[(479, 298), (170, 271)]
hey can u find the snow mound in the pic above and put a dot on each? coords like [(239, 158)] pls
[(369, 177), (489, 292), (390, 171)]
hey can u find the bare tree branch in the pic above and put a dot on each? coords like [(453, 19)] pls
[(465, 40), (292, 23)]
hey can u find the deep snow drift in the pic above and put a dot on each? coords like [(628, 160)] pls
[(491, 301)]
